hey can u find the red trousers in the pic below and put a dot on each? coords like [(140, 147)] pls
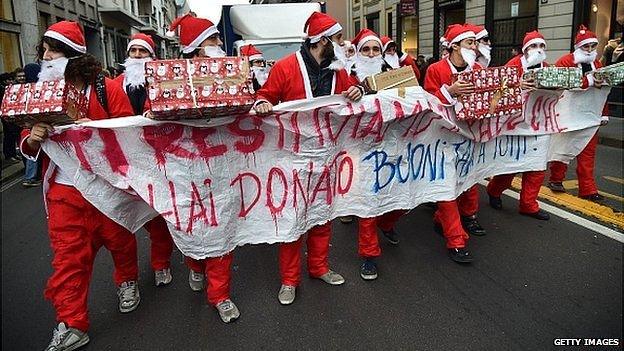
[(531, 184), (584, 169), (218, 275), (368, 241), (318, 250), (162, 243), (77, 231), (449, 213)]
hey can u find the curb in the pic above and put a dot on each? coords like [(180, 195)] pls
[(11, 173), (613, 142)]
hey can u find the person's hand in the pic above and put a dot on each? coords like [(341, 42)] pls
[(353, 93), (460, 88), (528, 84), (263, 108), (38, 133)]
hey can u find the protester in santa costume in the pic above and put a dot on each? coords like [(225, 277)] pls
[(312, 71), (534, 56), (484, 46), (396, 58), (454, 218), (259, 69), (200, 38), (141, 49), (584, 56), (76, 228), (368, 58)]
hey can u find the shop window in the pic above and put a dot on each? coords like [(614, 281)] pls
[(372, 22), (389, 25), (6, 10), (357, 26), (9, 51), (508, 21)]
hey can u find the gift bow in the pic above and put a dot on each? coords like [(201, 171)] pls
[(498, 94)]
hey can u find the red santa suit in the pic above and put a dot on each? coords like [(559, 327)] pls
[(586, 159), (76, 228), (531, 180), (438, 78), (404, 59), (289, 80)]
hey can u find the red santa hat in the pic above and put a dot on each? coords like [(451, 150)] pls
[(68, 32), (363, 36), (533, 37), (320, 25), (458, 32), (251, 52), (480, 31), (192, 30), (143, 40), (584, 36), (385, 42)]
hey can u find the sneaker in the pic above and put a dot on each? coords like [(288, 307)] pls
[(31, 182), (392, 236), (556, 187), (129, 296), (332, 278), (67, 339), (286, 295), (163, 277), (227, 311), (472, 226), (460, 255), (346, 219), (593, 197), (495, 202), (196, 281), (368, 270)]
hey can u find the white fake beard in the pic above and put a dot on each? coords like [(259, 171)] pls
[(582, 56), (135, 71), (470, 56), (392, 60), (486, 55), (340, 58), (535, 57), (350, 61), (366, 66), (214, 51), (53, 69), (261, 74)]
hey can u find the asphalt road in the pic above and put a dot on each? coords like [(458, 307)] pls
[(532, 282)]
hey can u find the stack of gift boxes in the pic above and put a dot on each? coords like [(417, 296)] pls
[(199, 88), (54, 102), (556, 77), (497, 93), (611, 75)]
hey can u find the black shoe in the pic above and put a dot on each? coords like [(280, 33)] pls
[(541, 215), (593, 197), (31, 182), (392, 236), (472, 226), (460, 255), (368, 270), (346, 219), (496, 202), (556, 187)]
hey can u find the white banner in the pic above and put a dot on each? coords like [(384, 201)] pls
[(251, 179)]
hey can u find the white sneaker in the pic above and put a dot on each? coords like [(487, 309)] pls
[(196, 281), (163, 277), (67, 339), (332, 278), (129, 297), (287, 294), (227, 311)]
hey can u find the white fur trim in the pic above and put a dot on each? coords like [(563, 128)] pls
[(327, 33), (58, 36), (482, 34), (402, 58), (304, 74), (142, 43), (451, 100), (533, 41), (385, 47), (585, 41), (255, 57), (21, 148), (590, 80), (366, 39), (200, 38), (462, 36)]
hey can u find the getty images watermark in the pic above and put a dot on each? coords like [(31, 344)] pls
[(587, 342)]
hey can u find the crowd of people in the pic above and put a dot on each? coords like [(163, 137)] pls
[(326, 64)]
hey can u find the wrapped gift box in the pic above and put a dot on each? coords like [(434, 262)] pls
[(54, 102), (397, 78), (611, 75), (497, 93), (199, 88), (556, 77)]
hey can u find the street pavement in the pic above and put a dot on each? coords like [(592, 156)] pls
[(532, 282)]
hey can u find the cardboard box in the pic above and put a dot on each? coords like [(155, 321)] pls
[(397, 78), (200, 88), (497, 93), (54, 102)]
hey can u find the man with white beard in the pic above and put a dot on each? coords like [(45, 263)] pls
[(257, 63), (141, 49), (456, 217), (484, 46), (584, 57), (534, 56), (396, 58), (368, 55)]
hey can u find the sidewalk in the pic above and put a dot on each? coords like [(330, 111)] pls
[(11, 171), (611, 134)]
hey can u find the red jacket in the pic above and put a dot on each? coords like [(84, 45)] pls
[(439, 77)]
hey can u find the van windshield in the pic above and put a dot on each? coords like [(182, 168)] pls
[(276, 51)]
